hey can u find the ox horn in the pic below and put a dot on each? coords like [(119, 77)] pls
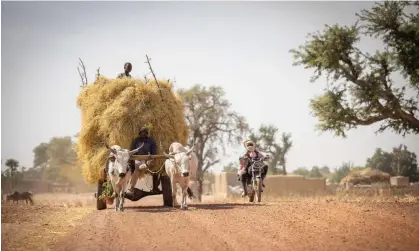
[(191, 150), (169, 156), (111, 149), (136, 150)]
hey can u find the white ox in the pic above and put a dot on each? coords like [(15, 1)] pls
[(181, 166), (118, 173)]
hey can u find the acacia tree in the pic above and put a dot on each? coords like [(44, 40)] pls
[(380, 160), (265, 138), (212, 124), (360, 86), (40, 155), (398, 162), (13, 166), (52, 157)]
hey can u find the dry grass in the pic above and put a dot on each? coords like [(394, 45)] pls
[(321, 198), (113, 110), (38, 226), (65, 199)]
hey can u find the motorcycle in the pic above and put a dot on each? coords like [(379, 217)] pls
[(254, 184)]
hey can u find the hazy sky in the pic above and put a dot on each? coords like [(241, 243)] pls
[(240, 46)]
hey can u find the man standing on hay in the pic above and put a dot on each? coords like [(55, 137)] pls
[(149, 147), (127, 68)]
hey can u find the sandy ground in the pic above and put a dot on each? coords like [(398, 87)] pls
[(302, 224)]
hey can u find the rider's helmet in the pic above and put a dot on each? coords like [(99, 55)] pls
[(249, 145)]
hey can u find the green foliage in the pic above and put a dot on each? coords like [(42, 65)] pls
[(381, 160), (13, 172), (360, 88), (107, 190), (60, 151), (315, 172), (342, 171), (34, 173), (325, 171), (40, 154), (301, 171), (54, 161), (12, 164), (265, 139), (398, 162)]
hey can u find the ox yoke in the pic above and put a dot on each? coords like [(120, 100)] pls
[(147, 157)]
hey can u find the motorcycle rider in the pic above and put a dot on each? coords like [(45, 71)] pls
[(148, 148), (243, 172)]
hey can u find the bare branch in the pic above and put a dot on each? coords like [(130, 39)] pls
[(154, 75), (145, 78), (209, 164), (83, 74), (98, 73)]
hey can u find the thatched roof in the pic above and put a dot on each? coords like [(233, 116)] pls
[(366, 176)]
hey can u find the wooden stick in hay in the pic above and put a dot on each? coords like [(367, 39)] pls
[(83, 75), (154, 75)]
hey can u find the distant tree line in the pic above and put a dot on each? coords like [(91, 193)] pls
[(55, 161), (399, 162)]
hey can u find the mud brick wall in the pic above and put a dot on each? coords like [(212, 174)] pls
[(276, 185)]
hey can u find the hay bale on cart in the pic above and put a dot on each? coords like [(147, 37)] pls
[(113, 110)]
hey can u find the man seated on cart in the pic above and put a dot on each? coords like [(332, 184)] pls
[(149, 147)]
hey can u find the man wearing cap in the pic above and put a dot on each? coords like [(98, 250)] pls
[(243, 172), (127, 70), (149, 147)]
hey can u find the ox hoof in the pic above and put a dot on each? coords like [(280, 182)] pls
[(185, 208)]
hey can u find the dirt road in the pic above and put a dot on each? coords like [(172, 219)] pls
[(286, 225)]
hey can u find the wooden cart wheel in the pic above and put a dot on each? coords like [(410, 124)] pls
[(167, 191), (100, 204)]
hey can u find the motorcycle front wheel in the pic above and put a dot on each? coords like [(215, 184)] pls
[(258, 189), (251, 194)]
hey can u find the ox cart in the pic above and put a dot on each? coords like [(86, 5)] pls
[(138, 194)]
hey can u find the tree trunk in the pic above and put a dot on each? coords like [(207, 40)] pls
[(200, 175), (200, 190), (274, 164)]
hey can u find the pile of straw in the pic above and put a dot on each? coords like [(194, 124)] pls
[(113, 111), (366, 176)]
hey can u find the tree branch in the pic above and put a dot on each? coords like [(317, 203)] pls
[(209, 164), (98, 73), (83, 75), (154, 75)]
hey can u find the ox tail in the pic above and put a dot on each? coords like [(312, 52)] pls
[(30, 199), (190, 193), (30, 194)]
